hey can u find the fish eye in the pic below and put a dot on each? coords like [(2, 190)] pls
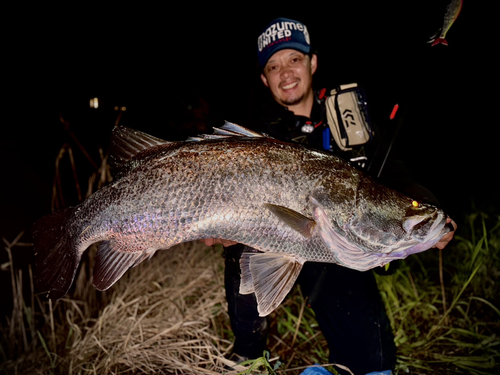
[(416, 204)]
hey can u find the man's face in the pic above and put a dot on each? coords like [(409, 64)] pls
[(288, 74)]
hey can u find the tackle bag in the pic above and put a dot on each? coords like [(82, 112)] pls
[(347, 116)]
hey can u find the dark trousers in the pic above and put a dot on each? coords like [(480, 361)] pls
[(348, 309)]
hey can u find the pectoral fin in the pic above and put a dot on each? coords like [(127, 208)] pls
[(270, 276), (293, 219)]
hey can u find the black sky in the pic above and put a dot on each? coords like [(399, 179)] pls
[(152, 59)]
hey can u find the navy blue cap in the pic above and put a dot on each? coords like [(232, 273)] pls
[(280, 34)]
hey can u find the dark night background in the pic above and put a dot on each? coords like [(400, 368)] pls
[(158, 61)]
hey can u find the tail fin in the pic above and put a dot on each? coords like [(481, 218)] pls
[(439, 41), (56, 255)]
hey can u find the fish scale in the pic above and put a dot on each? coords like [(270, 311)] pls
[(291, 203), (215, 201)]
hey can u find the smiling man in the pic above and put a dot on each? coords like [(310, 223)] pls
[(288, 74), (346, 302)]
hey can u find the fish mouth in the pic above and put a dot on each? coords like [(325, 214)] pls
[(425, 234), (430, 228)]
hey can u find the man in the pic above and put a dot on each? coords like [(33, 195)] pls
[(347, 303)]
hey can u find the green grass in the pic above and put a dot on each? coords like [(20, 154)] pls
[(443, 307), (445, 319)]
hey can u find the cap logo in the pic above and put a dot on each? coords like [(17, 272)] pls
[(281, 30), (282, 33)]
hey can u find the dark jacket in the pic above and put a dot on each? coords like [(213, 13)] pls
[(278, 122)]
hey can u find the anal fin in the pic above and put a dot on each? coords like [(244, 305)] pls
[(270, 276), (112, 262)]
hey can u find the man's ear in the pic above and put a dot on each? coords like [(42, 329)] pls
[(314, 63), (264, 79)]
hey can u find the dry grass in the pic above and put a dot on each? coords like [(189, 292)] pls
[(167, 315), (160, 318)]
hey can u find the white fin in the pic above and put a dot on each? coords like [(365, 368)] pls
[(228, 130), (246, 283), (204, 137), (236, 130), (195, 139), (270, 276), (293, 219)]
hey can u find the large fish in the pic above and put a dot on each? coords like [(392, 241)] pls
[(292, 203)]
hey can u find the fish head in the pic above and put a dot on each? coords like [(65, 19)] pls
[(424, 222), (391, 221), (396, 224), (379, 225)]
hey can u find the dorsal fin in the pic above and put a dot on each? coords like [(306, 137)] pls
[(204, 137), (228, 130), (232, 129), (126, 143)]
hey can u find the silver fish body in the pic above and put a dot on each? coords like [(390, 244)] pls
[(292, 203)]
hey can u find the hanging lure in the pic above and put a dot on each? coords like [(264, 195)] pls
[(452, 12)]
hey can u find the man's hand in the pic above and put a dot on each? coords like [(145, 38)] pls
[(214, 241), (447, 237)]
